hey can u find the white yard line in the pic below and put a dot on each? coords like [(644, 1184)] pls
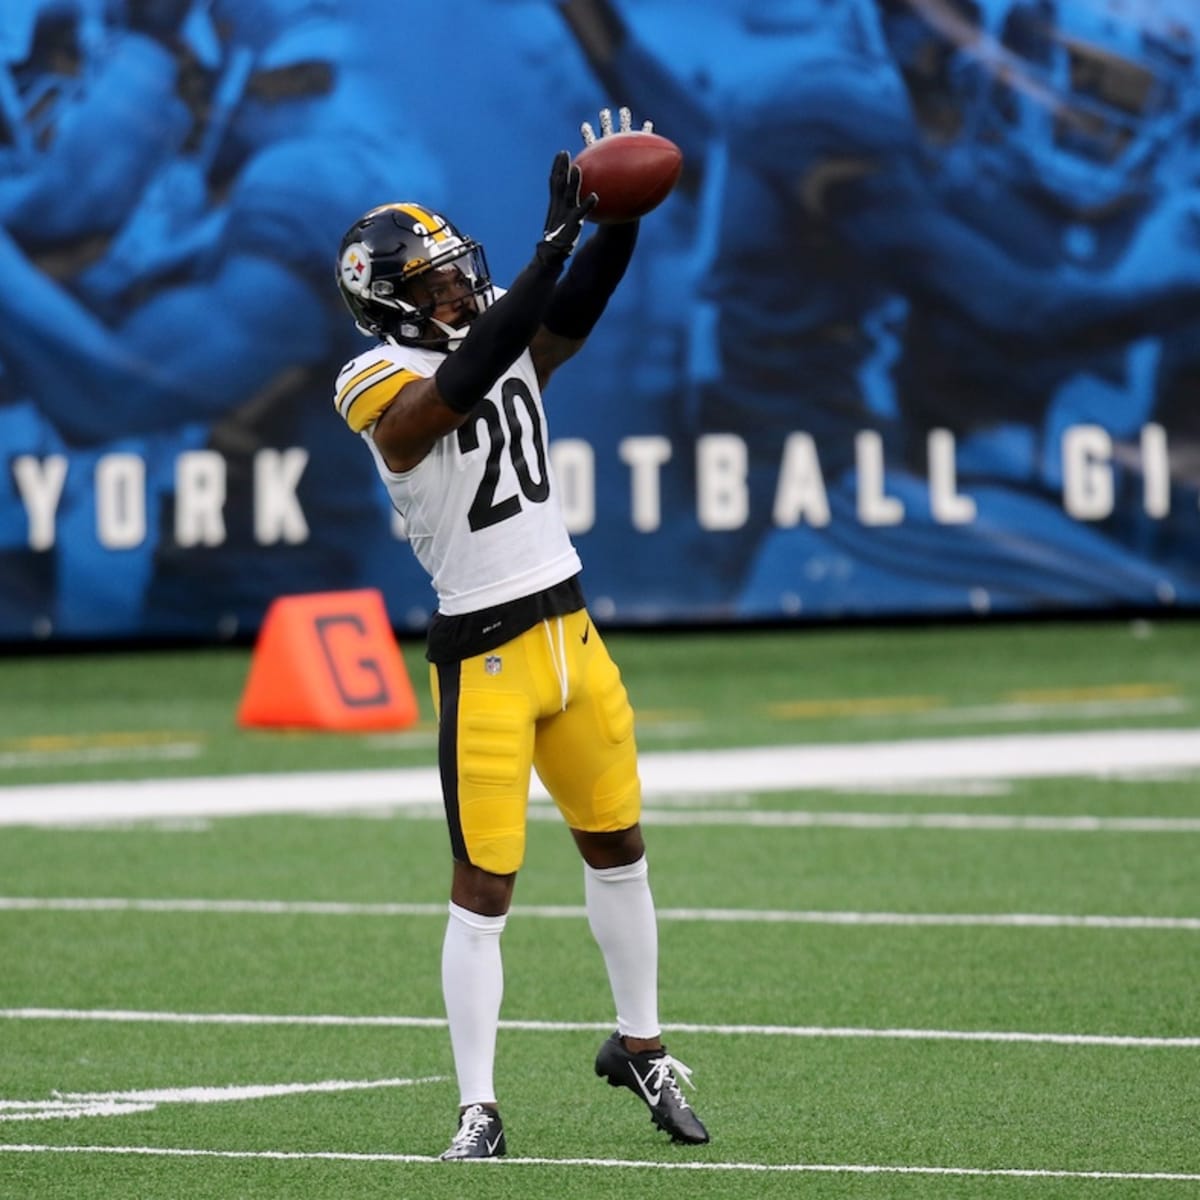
[(95, 755), (756, 916), (71, 1106), (136, 1016), (507, 1164), (1094, 754), (1090, 710), (963, 822)]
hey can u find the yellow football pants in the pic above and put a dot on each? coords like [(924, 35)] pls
[(552, 698)]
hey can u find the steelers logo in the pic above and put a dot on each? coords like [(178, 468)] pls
[(355, 269)]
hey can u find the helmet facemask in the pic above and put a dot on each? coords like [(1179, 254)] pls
[(459, 276), (1084, 103)]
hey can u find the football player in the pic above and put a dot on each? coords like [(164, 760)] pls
[(449, 403), (928, 215), (181, 284)]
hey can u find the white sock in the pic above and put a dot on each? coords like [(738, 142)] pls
[(621, 914), (472, 987)]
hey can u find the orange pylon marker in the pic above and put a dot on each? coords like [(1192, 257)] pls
[(328, 660)]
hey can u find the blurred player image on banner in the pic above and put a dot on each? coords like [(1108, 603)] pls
[(449, 403), (916, 333), (937, 237), (164, 335)]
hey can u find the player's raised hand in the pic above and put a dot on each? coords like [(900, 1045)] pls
[(567, 211)]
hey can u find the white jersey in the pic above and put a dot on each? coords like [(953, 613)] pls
[(481, 510)]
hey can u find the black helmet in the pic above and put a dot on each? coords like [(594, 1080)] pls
[(389, 247)]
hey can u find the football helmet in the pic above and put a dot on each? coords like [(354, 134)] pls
[(48, 52), (391, 247), (79, 73), (1092, 102)]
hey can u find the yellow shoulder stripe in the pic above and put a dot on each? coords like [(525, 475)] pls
[(355, 380), (375, 392)]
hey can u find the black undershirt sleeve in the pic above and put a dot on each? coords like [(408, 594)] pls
[(583, 293)]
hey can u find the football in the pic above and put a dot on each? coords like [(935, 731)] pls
[(631, 172)]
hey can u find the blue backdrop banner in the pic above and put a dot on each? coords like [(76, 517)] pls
[(918, 332)]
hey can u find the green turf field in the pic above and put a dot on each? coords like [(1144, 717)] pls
[(977, 981)]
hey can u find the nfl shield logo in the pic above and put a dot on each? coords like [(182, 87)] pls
[(491, 664)]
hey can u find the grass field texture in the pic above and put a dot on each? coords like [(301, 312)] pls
[(983, 986)]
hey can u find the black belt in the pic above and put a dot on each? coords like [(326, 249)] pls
[(452, 639)]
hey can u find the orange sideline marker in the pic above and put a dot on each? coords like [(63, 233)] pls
[(328, 660)]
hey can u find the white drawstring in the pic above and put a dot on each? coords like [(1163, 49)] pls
[(559, 658)]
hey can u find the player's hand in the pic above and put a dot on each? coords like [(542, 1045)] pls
[(625, 119), (567, 212)]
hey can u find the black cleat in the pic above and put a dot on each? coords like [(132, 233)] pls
[(650, 1075), (480, 1135)]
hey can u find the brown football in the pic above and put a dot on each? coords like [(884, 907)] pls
[(631, 172)]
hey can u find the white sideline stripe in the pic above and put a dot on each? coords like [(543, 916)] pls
[(764, 916), (1089, 754), (797, 1031), (505, 1164)]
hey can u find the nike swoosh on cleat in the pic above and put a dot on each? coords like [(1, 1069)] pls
[(652, 1098), (491, 1146)]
